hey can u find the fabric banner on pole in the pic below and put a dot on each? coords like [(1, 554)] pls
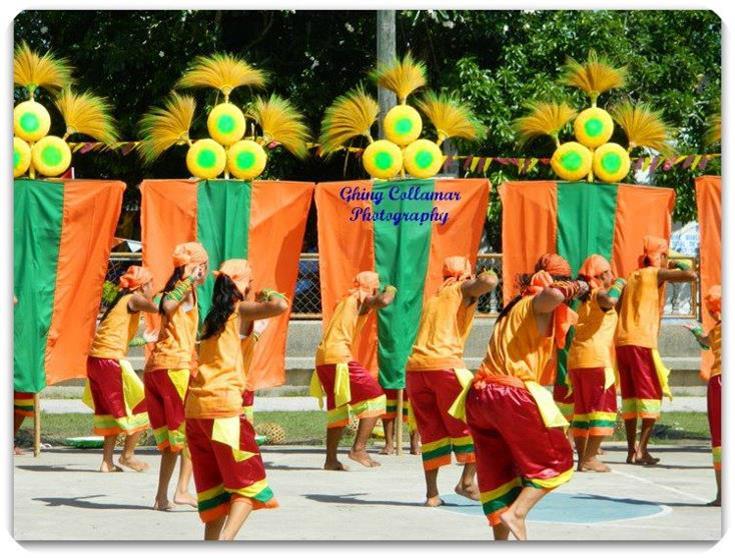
[(709, 215), (576, 220), (262, 221), (402, 230), (63, 232)]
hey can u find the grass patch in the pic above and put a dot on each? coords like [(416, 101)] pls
[(308, 428)]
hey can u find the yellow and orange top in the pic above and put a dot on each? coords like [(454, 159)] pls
[(216, 390), (640, 310), (342, 332), (176, 340), (715, 343), (445, 324), (593, 336), (115, 332), (516, 347)]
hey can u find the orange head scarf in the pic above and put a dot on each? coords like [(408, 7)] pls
[(239, 271), (190, 253), (365, 284), (654, 248), (135, 277), (564, 317), (594, 266), (456, 268), (713, 299), (554, 264)]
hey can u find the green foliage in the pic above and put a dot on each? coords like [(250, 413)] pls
[(109, 292)]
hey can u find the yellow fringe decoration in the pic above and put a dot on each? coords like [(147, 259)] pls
[(163, 128), (351, 115), (450, 117), (30, 70), (643, 127), (714, 129), (594, 77), (403, 77), (87, 114), (222, 71), (281, 122), (545, 119)]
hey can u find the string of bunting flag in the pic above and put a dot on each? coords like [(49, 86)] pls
[(469, 163)]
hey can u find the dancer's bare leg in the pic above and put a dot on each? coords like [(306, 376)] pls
[(182, 494), (334, 435), (108, 452), (213, 529), (642, 455), (388, 429), (166, 471), (358, 452), (515, 516), (432, 488), (240, 509), (589, 461), (467, 486), (630, 432), (127, 458)]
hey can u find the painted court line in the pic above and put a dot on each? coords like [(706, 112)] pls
[(665, 487)]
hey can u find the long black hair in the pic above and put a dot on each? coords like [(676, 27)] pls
[(176, 276), (523, 280), (120, 293), (224, 298)]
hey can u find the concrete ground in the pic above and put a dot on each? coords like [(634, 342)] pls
[(59, 496)]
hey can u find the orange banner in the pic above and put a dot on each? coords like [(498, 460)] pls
[(91, 211)]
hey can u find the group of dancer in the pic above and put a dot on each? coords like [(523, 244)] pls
[(500, 423)]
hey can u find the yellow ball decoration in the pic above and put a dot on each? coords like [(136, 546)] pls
[(51, 156), (382, 159), (402, 125), (31, 121), (593, 127), (611, 162), (571, 161), (206, 159), (226, 124), (423, 158), (21, 157), (246, 159)]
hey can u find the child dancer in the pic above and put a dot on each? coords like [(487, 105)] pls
[(348, 385), (116, 391), (434, 370), (168, 369), (521, 452), (590, 363), (228, 470), (642, 377)]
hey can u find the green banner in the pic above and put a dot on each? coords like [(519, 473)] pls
[(223, 226), (401, 259), (38, 210)]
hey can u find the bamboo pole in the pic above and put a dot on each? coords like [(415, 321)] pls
[(398, 437), (36, 425)]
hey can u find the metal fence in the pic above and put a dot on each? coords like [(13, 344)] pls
[(682, 300)]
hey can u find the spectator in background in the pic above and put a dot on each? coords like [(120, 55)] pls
[(684, 243)]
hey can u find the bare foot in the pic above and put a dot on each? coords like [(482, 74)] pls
[(185, 499), (362, 457), (387, 450), (600, 451), (594, 465), (134, 464), (631, 458), (645, 459), (516, 525), (433, 502), (163, 505), (18, 451), (416, 449), (109, 468), (470, 491), (334, 466)]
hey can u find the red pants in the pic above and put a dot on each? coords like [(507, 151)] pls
[(23, 403), (110, 410), (219, 477), (639, 385), (714, 415), (513, 446), (248, 401), (564, 400), (595, 408), (165, 410), (432, 393), (367, 397)]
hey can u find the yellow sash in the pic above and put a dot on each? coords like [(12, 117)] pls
[(663, 374), (457, 409), (227, 431), (180, 380), (342, 394), (609, 377), (133, 389)]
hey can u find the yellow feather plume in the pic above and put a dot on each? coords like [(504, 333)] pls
[(643, 127), (594, 77), (450, 117), (401, 76), (222, 71), (714, 129), (544, 119), (30, 70), (163, 128), (87, 114), (281, 122), (352, 114)]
